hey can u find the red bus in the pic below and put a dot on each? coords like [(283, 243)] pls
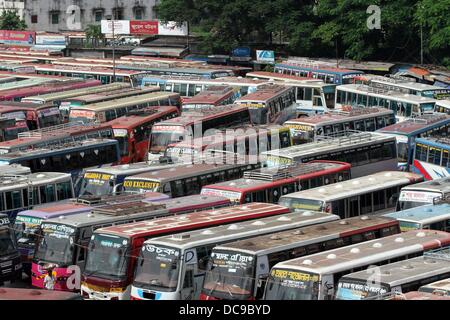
[(133, 131), (211, 97), (131, 237), (18, 94), (269, 184), (28, 116)]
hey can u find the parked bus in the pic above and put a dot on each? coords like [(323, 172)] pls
[(76, 232), (133, 131), (406, 133), (10, 268), (72, 157), (431, 157), (213, 96), (269, 184), (14, 170), (434, 217), (443, 106), (193, 125), (17, 94), (271, 103), (315, 276), (367, 152), (441, 287), (4, 124), (239, 270), (19, 193), (33, 294), (397, 277), (155, 280), (306, 129), (246, 141), (196, 72), (110, 110), (416, 295), (191, 86), (136, 234), (403, 105), (420, 194), (185, 180), (372, 194), (23, 83), (326, 74)]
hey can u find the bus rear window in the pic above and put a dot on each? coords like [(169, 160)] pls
[(302, 204)]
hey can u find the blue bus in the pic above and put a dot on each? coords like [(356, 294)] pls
[(434, 217), (326, 74), (431, 157), (406, 133)]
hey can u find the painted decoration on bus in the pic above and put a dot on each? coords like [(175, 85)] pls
[(293, 275), (233, 196), (143, 27), (141, 185), (29, 221), (419, 196), (4, 221), (165, 257), (82, 114), (97, 178), (358, 291), (299, 127), (430, 171)]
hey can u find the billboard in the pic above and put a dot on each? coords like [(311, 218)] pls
[(17, 37), (171, 29), (144, 27), (120, 26), (265, 55), (53, 40)]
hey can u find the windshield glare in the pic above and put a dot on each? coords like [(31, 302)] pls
[(160, 140), (292, 285), (107, 256), (56, 247), (230, 276), (7, 241), (96, 187), (158, 268), (26, 233)]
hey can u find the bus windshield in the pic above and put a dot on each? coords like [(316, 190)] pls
[(108, 256), (50, 117), (302, 204), (358, 290), (161, 139), (7, 243), (412, 199), (292, 285), (158, 268), (56, 245), (230, 275), (27, 229), (97, 184)]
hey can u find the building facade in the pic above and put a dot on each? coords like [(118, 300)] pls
[(76, 15), (16, 6)]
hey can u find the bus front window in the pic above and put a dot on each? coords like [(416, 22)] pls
[(96, 184), (56, 245), (230, 276), (159, 140), (358, 290), (402, 152), (292, 285), (50, 118), (121, 135), (158, 268), (7, 242), (411, 199), (107, 256), (302, 204)]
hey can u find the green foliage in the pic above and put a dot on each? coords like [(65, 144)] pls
[(9, 20), (319, 27), (94, 34)]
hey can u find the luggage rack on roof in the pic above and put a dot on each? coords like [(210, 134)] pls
[(284, 172), (109, 199), (53, 130), (346, 136), (127, 208), (438, 254)]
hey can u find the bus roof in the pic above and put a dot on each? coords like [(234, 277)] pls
[(112, 94), (397, 273), (140, 117), (54, 211), (276, 76), (8, 106), (264, 93), (417, 125), (231, 81), (354, 187), (136, 100), (438, 185), (323, 68), (390, 95), (403, 82), (437, 142), (14, 169), (201, 237), (257, 178), (16, 182), (260, 245), (341, 116), (34, 294), (417, 295), (195, 202), (83, 69), (369, 252), (124, 169), (212, 95), (424, 214), (23, 83), (198, 219), (328, 144)]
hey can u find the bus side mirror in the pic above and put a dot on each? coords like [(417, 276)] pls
[(118, 188)]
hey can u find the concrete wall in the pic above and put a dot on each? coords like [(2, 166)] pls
[(76, 15), (17, 6)]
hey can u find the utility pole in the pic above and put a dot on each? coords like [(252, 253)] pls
[(114, 41), (421, 43)]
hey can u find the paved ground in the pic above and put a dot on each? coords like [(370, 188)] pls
[(24, 283)]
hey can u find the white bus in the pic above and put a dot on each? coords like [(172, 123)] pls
[(373, 194), (305, 129), (442, 106), (403, 105), (398, 277), (423, 193), (315, 277), (184, 282), (367, 152), (441, 287)]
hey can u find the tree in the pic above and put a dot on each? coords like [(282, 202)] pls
[(9, 20), (94, 34)]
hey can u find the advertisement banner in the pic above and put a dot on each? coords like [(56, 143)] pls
[(171, 29), (265, 55), (53, 40), (120, 27), (144, 27), (17, 37)]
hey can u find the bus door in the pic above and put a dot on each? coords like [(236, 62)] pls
[(192, 281), (353, 207), (104, 79)]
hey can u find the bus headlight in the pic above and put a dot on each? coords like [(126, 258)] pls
[(117, 290)]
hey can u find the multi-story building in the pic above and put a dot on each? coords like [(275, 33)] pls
[(16, 6), (76, 15)]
